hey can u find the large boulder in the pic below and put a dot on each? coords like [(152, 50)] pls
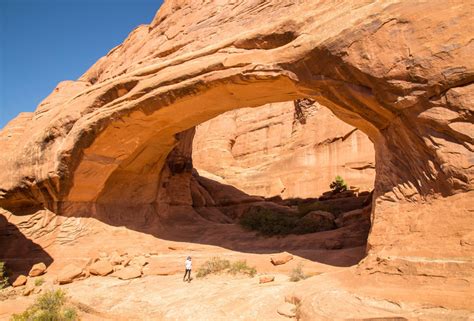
[(139, 261), (20, 280), (37, 269), (101, 268), (281, 258), (116, 259), (69, 273)]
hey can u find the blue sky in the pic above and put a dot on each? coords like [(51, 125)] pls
[(43, 42)]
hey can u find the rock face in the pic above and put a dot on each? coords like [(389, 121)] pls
[(97, 147), (283, 149)]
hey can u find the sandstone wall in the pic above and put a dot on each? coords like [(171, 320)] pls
[(400, 71), (275, 150)]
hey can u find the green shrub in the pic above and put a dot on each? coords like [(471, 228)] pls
[(338, 185), (241, 267), (39, 281), (311, 225), (270, 223), (50, 306), (215, 265), (297, 273), (305, 208), (3, 276)]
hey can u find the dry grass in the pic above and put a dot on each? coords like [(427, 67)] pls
[(217, 265), (297, 273)]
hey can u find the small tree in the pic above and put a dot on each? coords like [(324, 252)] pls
[(338, 185)]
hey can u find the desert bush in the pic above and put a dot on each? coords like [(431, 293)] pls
[(307, 225), (50, 306), (297, 273), (39, 281), (217, 265), (305, 208), (338, 185), (214, 265), (269, 222), (241, 267), (3, 276)]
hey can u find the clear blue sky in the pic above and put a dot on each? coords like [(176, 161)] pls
[(43, 42)]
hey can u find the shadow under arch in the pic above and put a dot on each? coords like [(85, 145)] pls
[(18, 251)]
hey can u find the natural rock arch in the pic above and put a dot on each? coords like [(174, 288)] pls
[(104, 138)]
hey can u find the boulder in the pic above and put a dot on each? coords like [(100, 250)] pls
[(333, 244), (116, 258), (20, 280), (127, 273), (139, 261), (101, 268), (266, 279), (69, 273), (281, 258), (287, 310), (352, 216), (37, 269)]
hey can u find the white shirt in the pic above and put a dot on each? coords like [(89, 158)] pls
[(189, 264)]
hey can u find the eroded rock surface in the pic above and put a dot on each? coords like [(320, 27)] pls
[(401, 72), (283, 149)]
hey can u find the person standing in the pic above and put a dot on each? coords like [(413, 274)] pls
[(189, 265)]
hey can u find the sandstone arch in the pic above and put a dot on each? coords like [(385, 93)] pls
[(104, 138)]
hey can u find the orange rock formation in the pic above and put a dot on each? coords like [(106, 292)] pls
[(283, 149), (401, 72)]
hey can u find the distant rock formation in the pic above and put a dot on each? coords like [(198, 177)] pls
[(291, 149)]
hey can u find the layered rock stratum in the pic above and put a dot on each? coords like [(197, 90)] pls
[(99, 149), (289, 149)]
